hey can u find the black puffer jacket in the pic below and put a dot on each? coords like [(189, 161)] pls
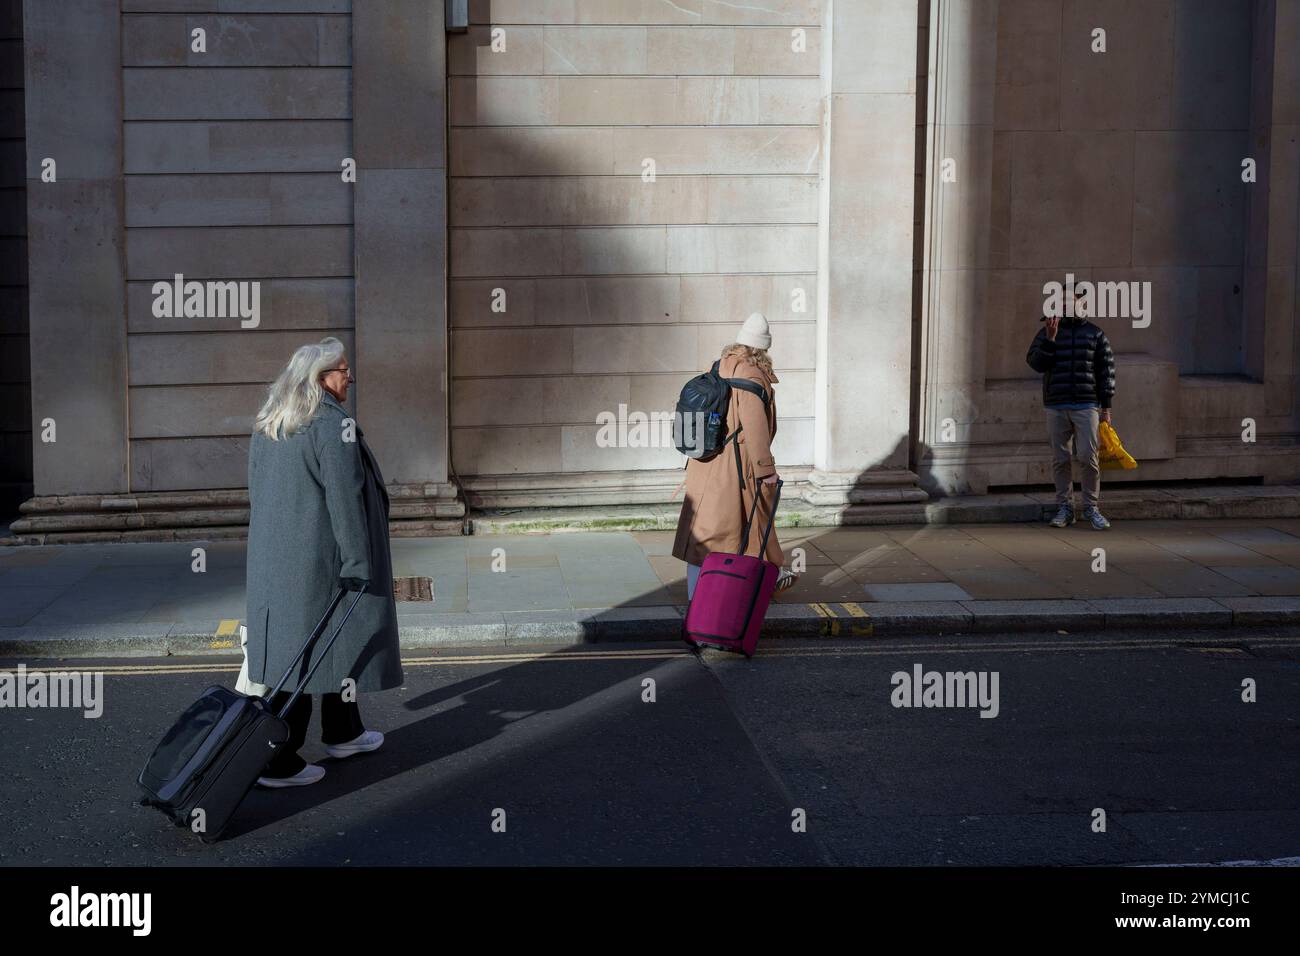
[(1077, 367)]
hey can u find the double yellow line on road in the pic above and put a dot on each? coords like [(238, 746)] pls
[(974, 645), (858, 623)]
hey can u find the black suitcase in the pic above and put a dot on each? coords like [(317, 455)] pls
[(205, 765)]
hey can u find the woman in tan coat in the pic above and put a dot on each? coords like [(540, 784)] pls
[(718, 498)]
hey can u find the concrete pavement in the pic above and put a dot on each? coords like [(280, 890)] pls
[(563, 588)]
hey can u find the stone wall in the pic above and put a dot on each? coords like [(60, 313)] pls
[(212, 143), (1116, 166), (1123, 165), (614, 289), (232, 161), (505, 270)]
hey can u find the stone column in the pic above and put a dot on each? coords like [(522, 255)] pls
[(400, 214), (865, 257), (958, 168), (1272, 307), (76, 276)]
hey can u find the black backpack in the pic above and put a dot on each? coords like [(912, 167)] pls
[(700, 422)]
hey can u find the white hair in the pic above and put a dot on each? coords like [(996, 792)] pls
[(296, 392)]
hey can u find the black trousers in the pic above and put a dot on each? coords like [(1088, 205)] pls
[(340, 721)]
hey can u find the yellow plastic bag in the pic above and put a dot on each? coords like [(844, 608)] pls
[(1112, 453)]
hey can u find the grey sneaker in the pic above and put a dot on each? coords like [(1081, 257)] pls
[(1095, 518), (1064, 516)]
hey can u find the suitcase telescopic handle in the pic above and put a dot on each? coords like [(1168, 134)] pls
[(315, 634), (749, 523), (776, 500)]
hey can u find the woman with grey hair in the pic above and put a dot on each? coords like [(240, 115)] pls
[(318, 521)]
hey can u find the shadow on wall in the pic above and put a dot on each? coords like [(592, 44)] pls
[(1208, 203), (488, 393), (1174, 212), (16, 433)]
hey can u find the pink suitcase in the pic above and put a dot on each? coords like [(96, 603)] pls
[(732, 594)]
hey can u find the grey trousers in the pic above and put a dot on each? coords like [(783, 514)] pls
[(1079, 425)]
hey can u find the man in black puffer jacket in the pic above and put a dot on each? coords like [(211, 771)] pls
[(1078, 370)]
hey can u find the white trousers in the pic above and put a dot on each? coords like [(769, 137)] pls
[(692, 575), (242, 683)]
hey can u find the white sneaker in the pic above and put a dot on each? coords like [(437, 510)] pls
[(785, 579), (368, 741), (307, 775)]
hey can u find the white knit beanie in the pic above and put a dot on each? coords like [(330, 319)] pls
[(754, 332)]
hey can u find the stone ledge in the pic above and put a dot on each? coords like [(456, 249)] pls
[(418, 510), (76, 519), (1226, 501), (398, 529)]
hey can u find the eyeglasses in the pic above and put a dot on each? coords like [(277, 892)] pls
[(346, 371)]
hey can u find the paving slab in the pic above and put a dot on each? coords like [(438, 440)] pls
[(892, 572), (1015, 584), (926, 591), (19, 605), (1274, 580), (1185, 580), (1205, 549), (1077, 579), (531, 589)]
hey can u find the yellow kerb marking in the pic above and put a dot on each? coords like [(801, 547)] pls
[(831, 626), (866, 629), (886, 648)]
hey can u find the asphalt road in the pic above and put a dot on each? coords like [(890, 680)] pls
[(1148, 727)]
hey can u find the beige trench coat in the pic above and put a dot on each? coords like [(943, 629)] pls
[(714, 511)]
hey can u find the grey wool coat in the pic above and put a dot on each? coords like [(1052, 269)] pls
[(319, 512)]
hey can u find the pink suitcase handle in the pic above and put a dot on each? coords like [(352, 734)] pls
[(758, 493)]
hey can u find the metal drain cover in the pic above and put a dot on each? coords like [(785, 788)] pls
[(413, 589)]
